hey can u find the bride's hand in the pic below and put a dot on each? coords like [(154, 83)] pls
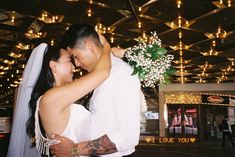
[(118, 52)]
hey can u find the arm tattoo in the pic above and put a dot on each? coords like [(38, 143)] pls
[(102, 145)]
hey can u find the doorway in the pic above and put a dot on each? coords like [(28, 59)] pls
[(182, 120), (213, 116)]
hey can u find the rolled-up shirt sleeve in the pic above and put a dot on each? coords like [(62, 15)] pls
[(125, 134)]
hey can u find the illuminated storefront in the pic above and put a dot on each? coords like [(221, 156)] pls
[(187, 111), (184, 109), (182, 117)]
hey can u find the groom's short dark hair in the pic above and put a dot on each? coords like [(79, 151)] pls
[(74, 36)]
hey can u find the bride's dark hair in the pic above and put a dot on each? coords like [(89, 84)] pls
[(44, 83)]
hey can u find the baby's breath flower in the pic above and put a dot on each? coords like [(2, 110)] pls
[(150, 61)]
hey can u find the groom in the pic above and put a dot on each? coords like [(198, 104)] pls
[(114, 106)]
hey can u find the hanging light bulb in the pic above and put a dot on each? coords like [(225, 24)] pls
[(187, 23), (179, 21), (89, 13), (112, 40), (100, 26), (13, 19), (180, 34), (52, 42), (213, 43), (229, 3), (139, 24), (179, 3)]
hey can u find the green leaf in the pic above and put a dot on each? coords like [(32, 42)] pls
[(153, 51), (167, 81), (135, 71), (132, 63), (141, 74), (161, 51), (166, 75), (137, 52)]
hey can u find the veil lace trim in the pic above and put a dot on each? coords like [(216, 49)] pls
[(42, 143)]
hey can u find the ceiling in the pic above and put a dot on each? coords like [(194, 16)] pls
[(199, 33)]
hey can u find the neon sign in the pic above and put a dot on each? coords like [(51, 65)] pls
[(169, 140)]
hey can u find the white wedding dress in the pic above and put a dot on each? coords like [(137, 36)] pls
[(77, 129)]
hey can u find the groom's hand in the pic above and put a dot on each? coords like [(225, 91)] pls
[(62, 149), (103, 40)]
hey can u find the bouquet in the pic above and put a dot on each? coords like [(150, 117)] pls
[(150, 61)]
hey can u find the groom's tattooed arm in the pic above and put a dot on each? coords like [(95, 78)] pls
[(100, 146)]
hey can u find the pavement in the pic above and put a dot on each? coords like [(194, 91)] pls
[(198, 149)]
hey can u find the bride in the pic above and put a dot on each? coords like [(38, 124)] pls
[(47, 86)]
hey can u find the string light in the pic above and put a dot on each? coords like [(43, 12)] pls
[(13, 19), (187, 24), (179, 21), (112, 40), (221, 33), (52, 42), (13, 85), (211, 52), (89, 13), (179, 3), (15, 55), (183, 98), (17, 82), (54, 19), (44, 14), (48, 18), (139, 24), (4, 68), (8, 62), (229, 3), (213, 43), (102, 29), (180, 34)]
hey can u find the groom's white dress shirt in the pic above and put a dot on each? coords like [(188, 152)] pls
[(115, 109)]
